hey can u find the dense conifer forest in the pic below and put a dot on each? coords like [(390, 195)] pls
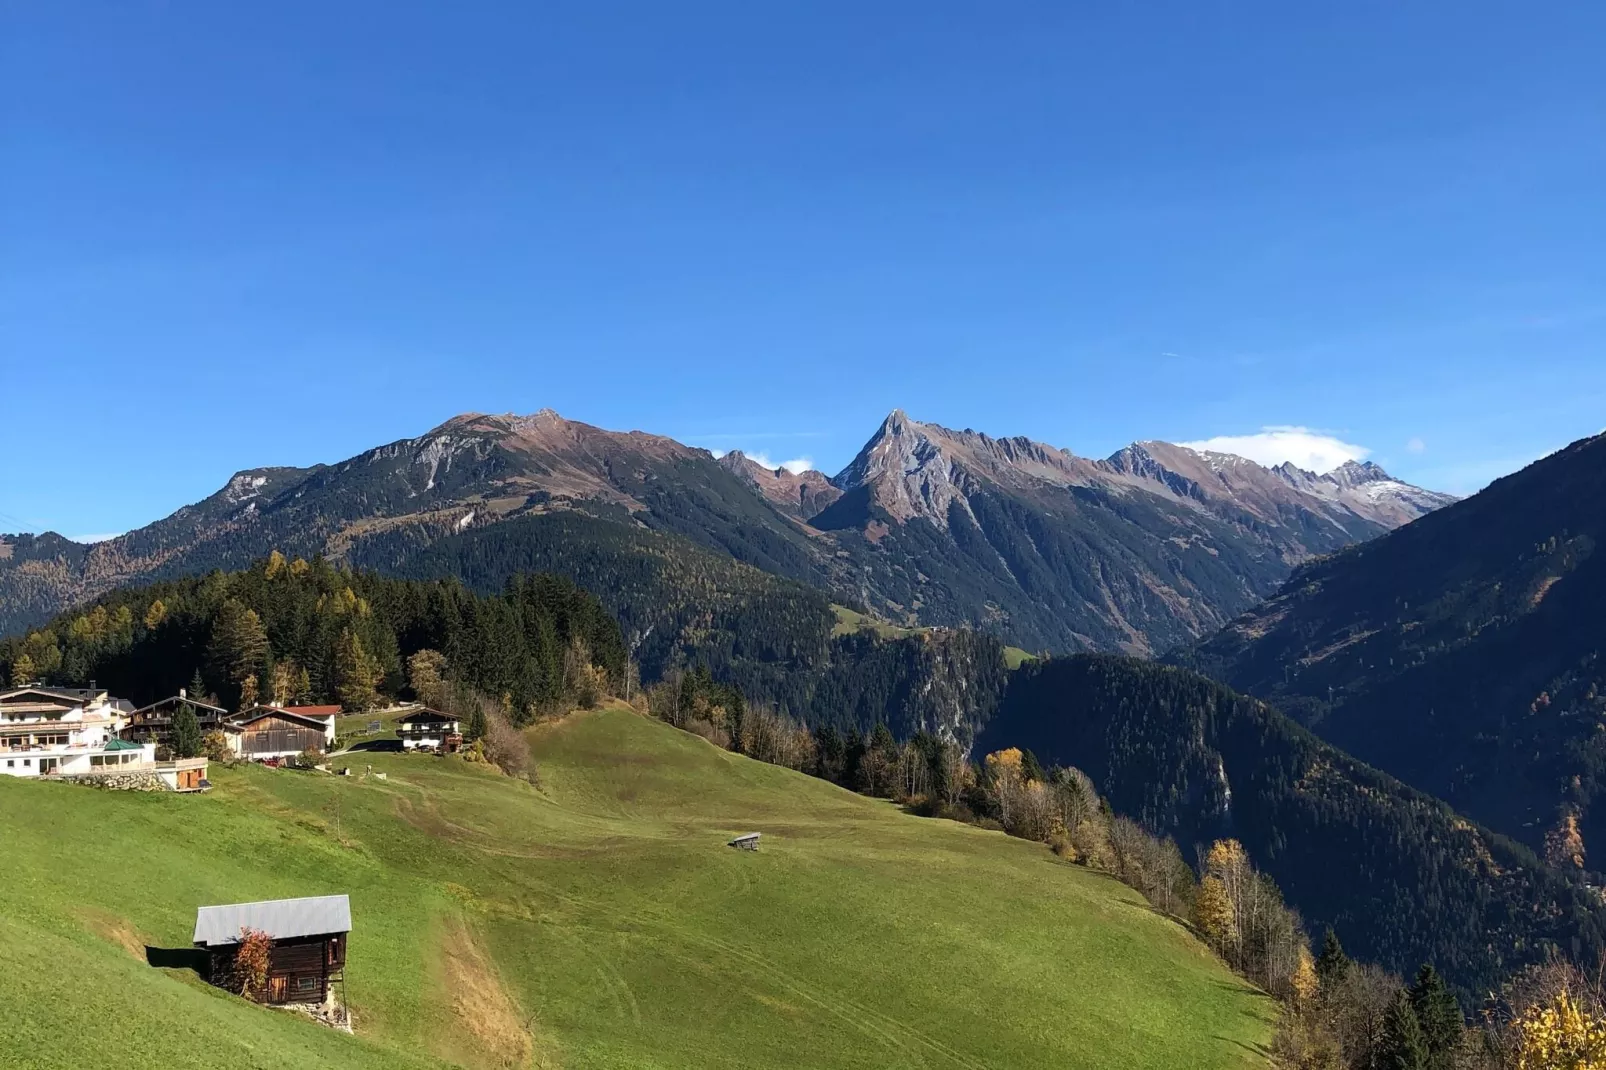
[(1404, 878), (298, 631)]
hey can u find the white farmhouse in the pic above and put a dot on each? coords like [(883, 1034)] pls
[(426, 729), (53, 730)]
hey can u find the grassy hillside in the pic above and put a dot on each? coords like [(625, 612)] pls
[(596, 922)]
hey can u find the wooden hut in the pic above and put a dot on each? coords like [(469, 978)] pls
[(265, 732), (308, 937)]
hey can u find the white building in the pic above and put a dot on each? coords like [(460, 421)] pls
[(53, 730), (429, 730)]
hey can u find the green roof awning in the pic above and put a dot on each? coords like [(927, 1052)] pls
[(122, 744)]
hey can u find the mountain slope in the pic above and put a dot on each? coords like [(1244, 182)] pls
[(1401, 877), (1460, 653), (1136, 553), (1141, 552), (597, 922)]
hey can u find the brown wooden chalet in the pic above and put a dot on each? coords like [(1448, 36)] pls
[(426, 729), (154, 723), (308, 937), (264, 732)]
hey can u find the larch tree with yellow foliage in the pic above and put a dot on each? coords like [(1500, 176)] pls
[(1560, 1034)]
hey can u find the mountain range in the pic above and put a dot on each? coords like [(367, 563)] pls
[(1461, 653), (1139, 552)]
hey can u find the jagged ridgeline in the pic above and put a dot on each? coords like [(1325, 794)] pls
[(306, 631), (1402, 877)]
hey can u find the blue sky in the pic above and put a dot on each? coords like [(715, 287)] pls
[(235, 235)]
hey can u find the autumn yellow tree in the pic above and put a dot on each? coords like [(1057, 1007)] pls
[(23, 671), (1004, 767), (155, 614), (1560, 1034), (1303, 981), (1212, 911), (426, 672), (356, 673)]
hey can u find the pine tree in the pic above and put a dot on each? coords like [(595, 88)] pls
[(1403, 1047), (186, 732), (1332, 965), (1438, 1015), (239, 647), (197, 689)]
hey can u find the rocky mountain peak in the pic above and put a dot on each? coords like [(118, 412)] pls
[(1355, 473)]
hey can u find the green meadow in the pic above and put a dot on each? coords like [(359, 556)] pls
[(596, 919)]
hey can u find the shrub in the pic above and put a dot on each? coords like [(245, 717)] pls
[(215, 745), (251, 963), (506, 747)]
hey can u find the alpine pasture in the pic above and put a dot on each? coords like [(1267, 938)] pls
[(593, 920)]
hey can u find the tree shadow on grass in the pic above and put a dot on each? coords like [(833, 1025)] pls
[(388, 746), (180, 958)]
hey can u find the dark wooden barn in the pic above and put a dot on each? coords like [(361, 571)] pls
[(308, 937), (268, 732)]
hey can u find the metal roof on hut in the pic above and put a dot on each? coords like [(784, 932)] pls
[(281, 919)]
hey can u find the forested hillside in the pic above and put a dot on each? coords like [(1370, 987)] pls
[(304, 631), (1462, 653), (1403, 877)]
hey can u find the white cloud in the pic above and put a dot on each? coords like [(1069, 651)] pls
[(1308, 449), (797, 465), (94, 538), (1416, 445)]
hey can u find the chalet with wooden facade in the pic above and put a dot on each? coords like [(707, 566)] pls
[(308, 952), (47, 731), (426, 729), (154, 723), (265, 732)]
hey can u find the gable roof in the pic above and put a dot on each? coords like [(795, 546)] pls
[(427, 716), (315, 711), (175, 700), (257, 713), (73, 695), (281, 919)]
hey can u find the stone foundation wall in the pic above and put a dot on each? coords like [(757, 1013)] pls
[(133, 780)]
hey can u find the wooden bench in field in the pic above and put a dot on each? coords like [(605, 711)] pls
[(749, 842)]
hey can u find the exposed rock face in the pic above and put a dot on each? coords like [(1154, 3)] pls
[(797, 494), (1139, 552)]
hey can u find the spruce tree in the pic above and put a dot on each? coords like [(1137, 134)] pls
[(186, 732), (1332, 965), (197, 689), (1438, 1015), (1403, 1047)]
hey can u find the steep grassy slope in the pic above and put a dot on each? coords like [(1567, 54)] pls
[(597, 922)]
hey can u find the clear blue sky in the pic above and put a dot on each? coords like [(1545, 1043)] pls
[(239, 234)]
